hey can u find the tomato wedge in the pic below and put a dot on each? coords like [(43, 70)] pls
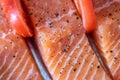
[(85, 9), (16, 17)]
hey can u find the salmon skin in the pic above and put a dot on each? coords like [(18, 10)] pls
[(16, 62), (37, 57)]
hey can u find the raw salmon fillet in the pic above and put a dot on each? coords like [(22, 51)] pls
[(107, 35), (16, 62), (62, 41)]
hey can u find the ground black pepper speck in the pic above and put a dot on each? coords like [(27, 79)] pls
[(56, 14), (74, 69), (115, 58), (14, 56), (111, 51), (98, 66)]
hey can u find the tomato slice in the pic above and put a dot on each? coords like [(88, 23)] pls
[(16, 17), (85, 9)]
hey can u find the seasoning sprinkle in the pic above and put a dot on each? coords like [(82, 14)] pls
[(98, 66), (51, 25), (60, 72), (115, 58), (65, 50), (13, 56), (77, 17), (41, 18), (56, 14), (101, 37), (64, 10), (74, 69), (67, 21), (1, 8), (111, 51), (110, 14)]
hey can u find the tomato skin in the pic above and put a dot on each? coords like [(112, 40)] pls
[(86, 10), (16, 17)]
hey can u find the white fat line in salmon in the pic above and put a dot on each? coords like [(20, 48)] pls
[(107, 4), (70, 12), (16, 67), (12, 62)]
